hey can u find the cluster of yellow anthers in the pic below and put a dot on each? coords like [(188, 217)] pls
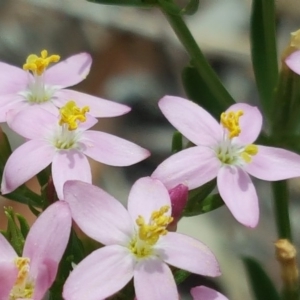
[(230, 121), (37, 65), (70, 114), (156, 227), (23, 288)]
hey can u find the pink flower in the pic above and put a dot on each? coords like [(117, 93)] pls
[(293, 62), (137, 244), (224, 150), (30, 276), (37, 85), (205, 293), (63, 141)]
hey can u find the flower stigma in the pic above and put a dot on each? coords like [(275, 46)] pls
[(230, 121), (37, 65), (24, 287), (149, 233)]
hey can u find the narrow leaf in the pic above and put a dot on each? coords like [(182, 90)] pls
[(136, 3)]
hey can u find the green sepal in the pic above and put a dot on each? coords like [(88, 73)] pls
[(264, 52), (24, 226), (197, 203), (5, 150), (43, 176), (191, 8), (13, 232), (260, 282), (176, 142), (180, 276), (134, 3), (198, 91), (35, 211)]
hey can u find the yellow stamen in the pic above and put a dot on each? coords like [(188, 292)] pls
[(151, 232), (23, 288), (37, 65), (295, 39), (248, 152), (71, 114), (230, 121)]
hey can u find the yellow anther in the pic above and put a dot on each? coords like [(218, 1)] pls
[(248, 152), (295, 39), (230, 121), (156, 227), (22, 264), (71, 114), (37, 65)]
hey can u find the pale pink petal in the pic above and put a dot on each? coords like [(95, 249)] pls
[(239, 194), (188, 254), (7, 251), (8, 102), (111, 150), (8, 276), (32, 122), (147, 195), (88, 123), (99, 108), (191, 120), (48, 238), (98, 214), (153, 280), (250, 123), (193, 167), (48, 106), (13, 79), (293, 62), (25, 162), (205, 293), (69, 165), (70, 71), (100, 275), (274, 164)]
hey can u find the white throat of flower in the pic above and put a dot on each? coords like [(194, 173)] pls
[(24, 285), (37, 91), (67, 135), (149, 233), (228, 152)]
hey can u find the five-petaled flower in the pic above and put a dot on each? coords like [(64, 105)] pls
[(30, 276), (224, 150), (137, 243), (63, 141), (35, 84), (205, 293)]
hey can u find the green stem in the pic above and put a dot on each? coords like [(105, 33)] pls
[(281, 207), (198, 60)]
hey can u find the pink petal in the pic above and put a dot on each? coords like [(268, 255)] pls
[(146, 196), (153, 280), (99, 108), (205, 293), (239, 194), (8, 102), (188, 254), (32, 122), (293, 62), (193, 167), (8, 276), (69, 71), (7, 251), (191, 120), (274, 164), (98, 214), (250, 123), (48, 238), (25, 162), (112, 150), (13, 79), (69, 165), (100, 275)]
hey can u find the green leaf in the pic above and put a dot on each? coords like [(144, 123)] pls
[(24, 226), (136, 3), (198, 91), (176, 142), (264, 52), (180, 276), (199, 202), (260, 282)]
